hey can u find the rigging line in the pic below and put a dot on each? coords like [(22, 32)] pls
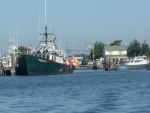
[(39, 44)]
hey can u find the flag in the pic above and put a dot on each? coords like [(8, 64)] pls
[(29, 46)]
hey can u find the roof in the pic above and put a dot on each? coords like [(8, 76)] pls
[(115, 48)]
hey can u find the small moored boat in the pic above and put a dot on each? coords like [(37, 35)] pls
[(136, 63)]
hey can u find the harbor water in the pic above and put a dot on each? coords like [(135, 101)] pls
[(84, 91)]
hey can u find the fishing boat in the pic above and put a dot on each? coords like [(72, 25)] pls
[(47, 60), (136, 63)]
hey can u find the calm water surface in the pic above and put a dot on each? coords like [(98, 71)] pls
[(81, 92)]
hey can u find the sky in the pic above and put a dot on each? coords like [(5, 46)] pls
[(77, 22)]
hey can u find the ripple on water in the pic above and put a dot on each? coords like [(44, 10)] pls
[(81, 92)]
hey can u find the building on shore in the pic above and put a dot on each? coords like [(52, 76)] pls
[(112, 55)]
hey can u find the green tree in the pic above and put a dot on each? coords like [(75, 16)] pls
[(22, 49), (145, 48), (98, 50), (81, 55), (116, 42), (134, 49)]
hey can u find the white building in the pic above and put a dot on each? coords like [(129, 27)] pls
[(113, 54)]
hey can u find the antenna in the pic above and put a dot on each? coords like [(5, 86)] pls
[(45, 12), (9, 31), (17, 31), (17, 40), (13, 30), (53, 29), (3, 49)]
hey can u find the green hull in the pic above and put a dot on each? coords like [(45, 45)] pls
[(40, 65)]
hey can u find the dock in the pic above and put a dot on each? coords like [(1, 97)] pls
[(84, 67)]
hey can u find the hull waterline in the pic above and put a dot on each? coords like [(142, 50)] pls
[(35, 65)]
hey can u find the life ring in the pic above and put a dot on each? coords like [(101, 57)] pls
[(74, 62), (67, 63)]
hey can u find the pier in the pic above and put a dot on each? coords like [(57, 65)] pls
[(84, 67)]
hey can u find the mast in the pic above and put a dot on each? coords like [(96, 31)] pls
[(45, 12), (46, 34), (39, 25)]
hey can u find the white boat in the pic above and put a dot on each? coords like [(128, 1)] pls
[(135, 63), (8, 61)]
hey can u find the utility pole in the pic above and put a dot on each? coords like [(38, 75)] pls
[(67, 49), (85, 51), (93, 52)]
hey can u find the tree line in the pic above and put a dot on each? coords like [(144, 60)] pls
[(135, 48)]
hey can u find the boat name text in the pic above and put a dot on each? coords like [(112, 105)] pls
[(41, 60)]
